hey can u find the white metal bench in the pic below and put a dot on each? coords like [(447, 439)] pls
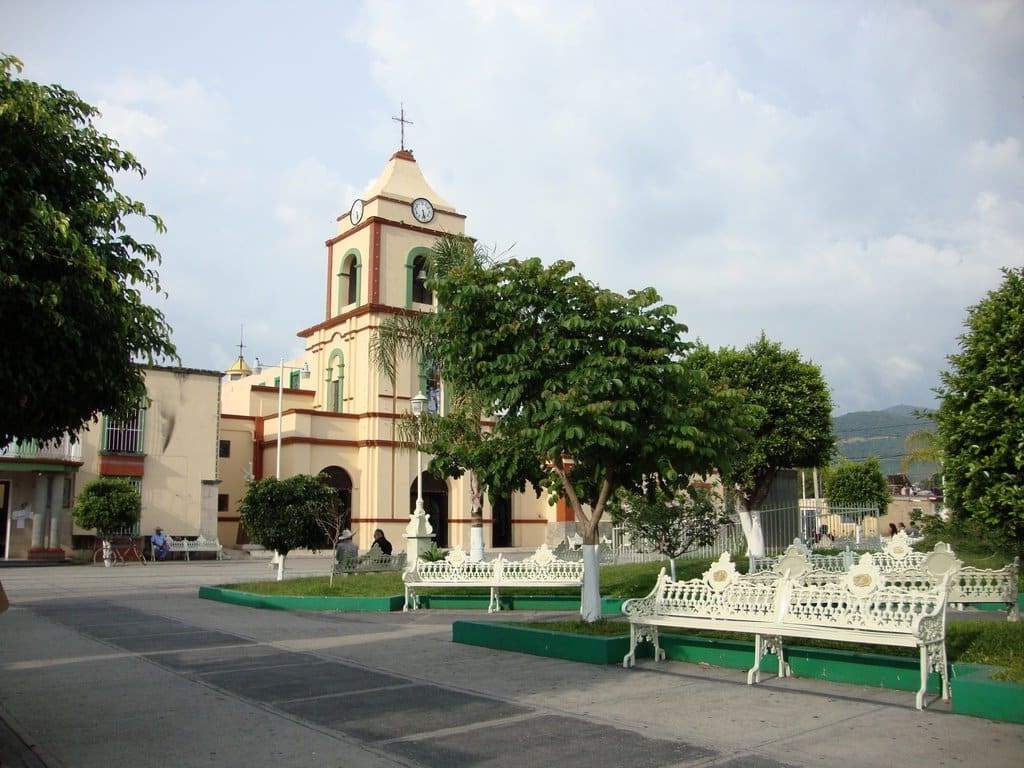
[(857, 608), (200, 544), (541, 570), (899, 563), (373, 561)]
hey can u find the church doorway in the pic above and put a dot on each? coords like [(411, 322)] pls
[(340, 480), (435, 502), (501, 522)]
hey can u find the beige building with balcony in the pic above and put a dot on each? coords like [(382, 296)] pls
[(168, 448), (338, 413)]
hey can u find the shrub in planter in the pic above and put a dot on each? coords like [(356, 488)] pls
[(107, 505)]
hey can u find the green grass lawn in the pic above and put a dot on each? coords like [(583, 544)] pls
[(999, 644)]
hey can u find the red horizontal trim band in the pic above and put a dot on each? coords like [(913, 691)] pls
[(299, 440), (286, 390), (363, 309), (401, 202), (388, 223), (122, 466)]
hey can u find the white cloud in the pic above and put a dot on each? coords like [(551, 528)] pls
[(829, 176)]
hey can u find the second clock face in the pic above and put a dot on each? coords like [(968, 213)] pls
[(355, 214), (422, 210)]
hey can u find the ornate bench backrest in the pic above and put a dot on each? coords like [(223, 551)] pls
[(720, 593), (456, 567), (862, 599), (542, 565)]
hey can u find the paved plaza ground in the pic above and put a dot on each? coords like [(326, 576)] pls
[(126, 666)]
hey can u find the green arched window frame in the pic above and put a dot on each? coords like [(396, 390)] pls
[(354, 274), (335, 380), (410, 262)]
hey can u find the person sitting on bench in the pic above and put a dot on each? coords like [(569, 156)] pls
[(380, 543), (161, 545)]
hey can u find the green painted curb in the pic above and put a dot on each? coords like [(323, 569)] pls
[(975, 693), (592, 649), (610, 606), (871, 669), (998, 606), (300, 603)]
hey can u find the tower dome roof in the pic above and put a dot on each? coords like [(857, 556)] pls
[(403, 179)]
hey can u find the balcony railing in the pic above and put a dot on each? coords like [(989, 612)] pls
[(55, 450), (124, 435)]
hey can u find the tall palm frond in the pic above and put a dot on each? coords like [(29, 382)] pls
[(921, 447)]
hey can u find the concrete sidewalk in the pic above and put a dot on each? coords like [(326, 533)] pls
[(99, 665)]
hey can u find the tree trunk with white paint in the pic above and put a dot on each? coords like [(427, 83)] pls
[(476, 531), (590, 594), (750, 521)]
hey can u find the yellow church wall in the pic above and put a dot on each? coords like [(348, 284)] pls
[(233, 471)]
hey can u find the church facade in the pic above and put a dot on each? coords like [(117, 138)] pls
[(338, 413)]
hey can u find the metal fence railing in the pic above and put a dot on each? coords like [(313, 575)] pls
[(856, 527)]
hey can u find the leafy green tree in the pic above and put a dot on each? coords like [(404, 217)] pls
[(673, 521), (981, 415), (597, 383), (283, 515), (857, 484), (107, 505), (793, 420), (72, 276)]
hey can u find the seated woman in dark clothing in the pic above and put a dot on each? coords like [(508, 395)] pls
[(381, 543)]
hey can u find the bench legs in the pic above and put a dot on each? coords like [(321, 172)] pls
[(919, 699), (754, 673), (412, 602), (637, 634)]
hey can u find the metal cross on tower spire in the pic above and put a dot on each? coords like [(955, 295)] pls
[(403, 122)]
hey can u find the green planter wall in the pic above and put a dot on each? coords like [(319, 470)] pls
[(873, 669), (298, 603), (975, 693)]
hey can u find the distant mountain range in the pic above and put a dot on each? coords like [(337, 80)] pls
[(882, 434)]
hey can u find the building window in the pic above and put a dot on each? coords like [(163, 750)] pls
[(348, 280), (335, 378), (225, 449), (68, 494), (420, 293), (222, 502), (293, 379), (124, 435)]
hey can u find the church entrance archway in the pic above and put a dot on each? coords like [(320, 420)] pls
[(501, 522), (340, 480), (435, 502)]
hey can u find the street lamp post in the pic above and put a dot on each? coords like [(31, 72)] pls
[(305, 373), (418, 533), (418, 402)]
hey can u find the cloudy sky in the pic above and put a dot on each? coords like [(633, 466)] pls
[(846, 176)]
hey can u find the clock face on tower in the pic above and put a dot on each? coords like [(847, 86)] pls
[(422, 210), (355, 214)]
